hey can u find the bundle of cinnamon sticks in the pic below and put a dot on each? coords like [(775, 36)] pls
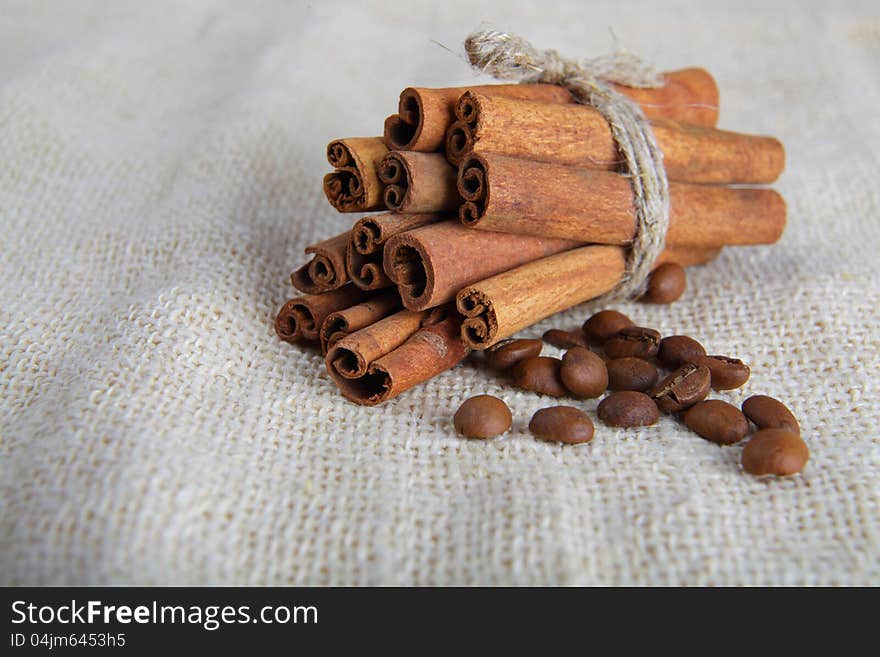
[(493, 207)]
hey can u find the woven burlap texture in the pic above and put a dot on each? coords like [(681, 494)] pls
[(162, 167)]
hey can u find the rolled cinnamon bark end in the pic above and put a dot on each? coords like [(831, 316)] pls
[(418, 182), (300, 318), (428, 352), (499, 306), (430, 264), (368, 237), (425, 114), (578, 135), (343, 322), (327, 270), (508, 194), (354, 185), (514, 195), (350, 356)]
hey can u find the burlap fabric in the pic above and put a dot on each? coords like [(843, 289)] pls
[(161, 174)]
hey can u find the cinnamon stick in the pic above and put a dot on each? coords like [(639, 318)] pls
[(579, 135), (300, 318), (343, 322), (424, 115), (430, 264), (326, 271), (418, 182), (512, 195), (368, 237), (501, 305), (354, 185), (431, 350), (350, 356)]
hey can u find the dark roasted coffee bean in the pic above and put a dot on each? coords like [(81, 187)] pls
[(717, 421), (678, 349), (604, 324), (635, 341), (727, 373), (628, 408), (564, 424), (583, 373), (666, 284), (564, 339), (540, 374), (775, 452), (508, 353), (682, 389), (631, 374), (482, 416), (769, 413)]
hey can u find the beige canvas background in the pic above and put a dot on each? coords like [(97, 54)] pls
[(161, 175)]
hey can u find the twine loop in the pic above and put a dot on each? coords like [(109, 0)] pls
[(509, 57)]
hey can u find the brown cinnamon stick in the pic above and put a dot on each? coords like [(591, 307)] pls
[(512, 195), (343, 322), (418, 182), (430, 264), (431, 350), (350, 356), (579, 135), (326, 271), (424, 115), (354, 185), (368, 237), (300, 318), (501, 305)]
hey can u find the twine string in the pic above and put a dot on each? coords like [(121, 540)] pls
[(509, 57)]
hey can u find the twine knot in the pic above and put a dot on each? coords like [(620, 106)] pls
[(509, 57)]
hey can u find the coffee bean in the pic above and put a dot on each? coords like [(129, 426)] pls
[(605, 323), (508, 353), (583, 373), (727, 373), (666, 284), (540, 374), (635, 341), (564, 339), (630, 374), (628, 408), (776, 452), (482, 416), (769, 413), (682, 389), (677, 349), (564, 424), (717, 421)]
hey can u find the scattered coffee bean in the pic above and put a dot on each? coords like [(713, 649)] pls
[(628, 408), (678, 349), (682, 389), (483, 416), (605, 323), (583, 373), (564, 339), (666, 284), (717, 421), (564, 424), (508, 353), (776, 452), (540, 374), (635, 341), (727, 373), (631, 374), (769, 413)]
